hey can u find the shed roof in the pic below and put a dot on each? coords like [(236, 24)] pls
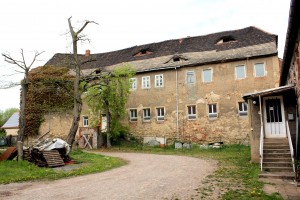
[(268, 91), (243, 43), (12, 122)]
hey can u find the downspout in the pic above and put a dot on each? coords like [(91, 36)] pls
[(260, 111), (297, 128), (177, 116)]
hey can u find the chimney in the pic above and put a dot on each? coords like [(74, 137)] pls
[(87, 52)]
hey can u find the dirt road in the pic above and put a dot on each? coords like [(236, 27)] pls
[(147, 176)]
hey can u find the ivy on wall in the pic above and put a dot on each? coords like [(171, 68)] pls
[(50, 90)]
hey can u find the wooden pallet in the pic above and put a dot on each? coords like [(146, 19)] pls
[(53, 158)]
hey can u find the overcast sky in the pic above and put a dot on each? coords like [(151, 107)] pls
[(36, 25)]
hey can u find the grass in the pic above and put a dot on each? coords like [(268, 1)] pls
[(235, 178), (13, 171)]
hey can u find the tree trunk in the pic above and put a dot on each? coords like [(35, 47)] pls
[(22, 117), (108, 144)]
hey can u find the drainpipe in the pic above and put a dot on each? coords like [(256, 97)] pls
[(177, 116), (297, 127), (260, 111)]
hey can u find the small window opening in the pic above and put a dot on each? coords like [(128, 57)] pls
[(97, 71), (176, 59), (226, 39)]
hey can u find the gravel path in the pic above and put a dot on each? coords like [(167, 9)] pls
[(147, 176)]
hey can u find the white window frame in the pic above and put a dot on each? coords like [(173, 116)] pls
[(146, 114), (211, 75), (243, 112), (133, 83), (191, 112), (264, 68), (146, 82), (85, 121), (133, 114), (159, 80), (188, 79), (236, 74), (160, 113), (214, 113)]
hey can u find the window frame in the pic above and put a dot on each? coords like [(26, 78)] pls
[(133, 81), (85, 121), (211, 75), (236, 74), (214, 114), (159, 78), (264, 68), (146, 118), (148, 81), (193, 114), (187, 79), (159, 115), (243, 112), (131, 117)]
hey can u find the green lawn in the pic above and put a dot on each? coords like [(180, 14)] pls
[(13, 171)]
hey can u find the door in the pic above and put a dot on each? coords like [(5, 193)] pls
[(274, 120)]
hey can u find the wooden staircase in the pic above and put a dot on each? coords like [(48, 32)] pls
[(277, 161)]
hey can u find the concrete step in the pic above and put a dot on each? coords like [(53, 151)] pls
[(278, 160), (277, 155), (277, 169), (277, 164), (277, 151), (276, 140), (281, 146), (278, 175)]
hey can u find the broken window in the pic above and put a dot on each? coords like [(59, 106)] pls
[(191, 112)]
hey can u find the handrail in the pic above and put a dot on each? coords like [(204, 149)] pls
[(290, 144), (261, 147)]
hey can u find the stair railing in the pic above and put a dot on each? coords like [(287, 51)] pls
[(261, 147), (290, 144)]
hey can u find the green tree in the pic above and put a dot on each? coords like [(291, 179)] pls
[(4, 116), (107, 94)]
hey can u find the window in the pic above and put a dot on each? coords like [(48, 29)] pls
[(240, 72), (190, 77), (259, 69), (243, 109), (207, 75), (212, 111), (191, 112), (159, 80), (146, 114), (85, 121), (160, 114), (146, 82), (133, 83), (133, 114)]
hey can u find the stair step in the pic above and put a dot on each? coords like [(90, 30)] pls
[(278, 169), (277, 164), (277, 155), (277, 151), (276, 146), (278, 175), (278, 160)]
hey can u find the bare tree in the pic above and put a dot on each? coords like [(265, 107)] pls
[(76, 36), (24, 68)]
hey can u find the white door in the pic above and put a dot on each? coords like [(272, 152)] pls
[(274, 120)]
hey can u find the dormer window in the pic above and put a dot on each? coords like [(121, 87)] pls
[(143, 52), (226, 39), (176, 59)]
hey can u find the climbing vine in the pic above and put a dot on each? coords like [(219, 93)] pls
[(50, 89)]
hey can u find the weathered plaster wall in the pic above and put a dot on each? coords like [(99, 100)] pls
[(224, 90), (12, 131)]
